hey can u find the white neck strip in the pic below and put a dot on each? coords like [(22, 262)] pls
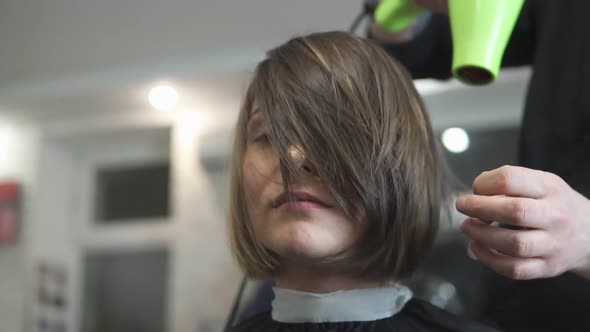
[(367, 304)]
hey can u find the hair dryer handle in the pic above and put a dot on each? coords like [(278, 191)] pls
[(396, 15)]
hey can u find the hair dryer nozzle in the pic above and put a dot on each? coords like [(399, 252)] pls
[(481, 30), (474, 75)]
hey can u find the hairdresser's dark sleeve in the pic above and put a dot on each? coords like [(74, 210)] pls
[(429, 54)]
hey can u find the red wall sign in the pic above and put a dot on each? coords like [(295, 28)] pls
[(9, 211)]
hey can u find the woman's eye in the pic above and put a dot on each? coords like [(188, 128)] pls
[(262, 138)]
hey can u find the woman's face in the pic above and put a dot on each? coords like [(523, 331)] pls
[(308, 229)]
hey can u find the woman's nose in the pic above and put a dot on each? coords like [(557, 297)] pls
[(300, 160)]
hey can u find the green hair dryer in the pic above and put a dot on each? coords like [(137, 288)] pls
[(480, 29)]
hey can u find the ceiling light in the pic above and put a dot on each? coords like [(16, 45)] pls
[(163, 97), (455, 140)]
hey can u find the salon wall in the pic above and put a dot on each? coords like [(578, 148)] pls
[(201, 275), (18, 147)]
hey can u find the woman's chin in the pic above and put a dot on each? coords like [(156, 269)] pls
[(302, 255), (305, 249)]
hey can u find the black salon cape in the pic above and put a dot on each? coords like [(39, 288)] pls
[(552, 36), (417, 316)]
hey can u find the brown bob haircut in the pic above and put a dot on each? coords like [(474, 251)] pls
[(360, 121)]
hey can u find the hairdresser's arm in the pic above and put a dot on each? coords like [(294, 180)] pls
[(555, 218), (426, 51)]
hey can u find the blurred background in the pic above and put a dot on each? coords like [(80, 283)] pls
[(115, 127)]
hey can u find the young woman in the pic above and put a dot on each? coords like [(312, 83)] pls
[(337, 189)]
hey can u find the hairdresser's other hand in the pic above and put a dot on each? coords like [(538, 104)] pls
[(554, 222), (379, 34)]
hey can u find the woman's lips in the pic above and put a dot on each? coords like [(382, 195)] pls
[(298, 201), (298, 206)]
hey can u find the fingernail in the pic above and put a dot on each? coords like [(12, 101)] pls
[(470, 253)]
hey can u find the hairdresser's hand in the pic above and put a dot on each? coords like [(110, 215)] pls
[(437, 6), (554, 221), (379, 34)]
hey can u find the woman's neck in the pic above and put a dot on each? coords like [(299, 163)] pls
[(302, 277)]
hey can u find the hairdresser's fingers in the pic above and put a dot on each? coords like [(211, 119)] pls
[(515, 181), (516, 211), (516, 243), (511, 267), (439, 6), (552, 206)]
